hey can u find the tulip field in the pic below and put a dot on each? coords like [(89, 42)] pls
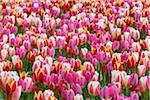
[(74, 49)]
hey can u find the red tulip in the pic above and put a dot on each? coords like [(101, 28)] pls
[(10, 86)]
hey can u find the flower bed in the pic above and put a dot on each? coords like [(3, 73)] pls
[(74, 49)]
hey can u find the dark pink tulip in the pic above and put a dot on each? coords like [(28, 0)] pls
[(81, 80), (133, 81), (134, 96), (115, 45), (25, 23), (95, 62), (89, 56), (51, 52), (77, 89), (69, 94), (27, 44), (105, 93), (6, 31), (14, 29), (124, 44)]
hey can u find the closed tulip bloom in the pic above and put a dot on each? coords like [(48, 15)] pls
[(40, 43), (48, 94), (78, 97), (4, 54), (5, 38), (141, 70), (133, 81), (38, 74), (115, 45), (69, 94), (93, 88), (51, 52), (115, 76), (134, 95), (19, 65), (16, 94), (135, 35), (11, 51), (27, 44), (77, 89), (142, 83), (38, 96), (7, 66), (10, 86)]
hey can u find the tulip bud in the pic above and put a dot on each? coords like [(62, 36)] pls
[(115, 76), (93, 88), (69, 94), (47, 94), (4, 54), (10, 86), (18, 65), (141, 70), (78, 97)]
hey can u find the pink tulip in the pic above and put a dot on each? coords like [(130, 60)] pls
[(115, 45), (134, 95), (93, 88), (69, 94), (77, 89), (16, 94), (133, 81), (26, 84)]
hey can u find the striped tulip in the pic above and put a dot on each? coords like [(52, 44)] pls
[(38, 96), (16, 94), (94, 88), (78, 97), (19, 65), (10, 86), (141, 70), (4, 54)]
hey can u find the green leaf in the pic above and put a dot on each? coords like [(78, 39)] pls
[(143, 35), (1, 95)]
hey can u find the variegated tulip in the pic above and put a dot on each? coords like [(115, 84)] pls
[(141, 70), (93, 88), (10, 86), (38, 96), (78, 97), (4, 54)]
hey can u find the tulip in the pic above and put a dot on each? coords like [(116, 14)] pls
[(93, 88), (16, 94), (134, 95), (40, 43), (115, 45), (38, 74), (141, 70), (78, 97), (7, 66), (133, 81), (11, 51), (10, 86), (115, 76), (143, 83), (38, 96), (18, 65), (31, 56), (4, 54), (69, 94), (48, 94), (77, 89)]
